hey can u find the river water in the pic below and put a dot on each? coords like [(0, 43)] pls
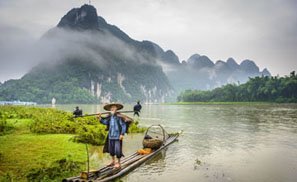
[(256, 142)]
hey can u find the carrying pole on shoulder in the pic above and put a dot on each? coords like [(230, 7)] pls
[(86, 115)]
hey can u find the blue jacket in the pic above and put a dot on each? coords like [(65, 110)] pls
[(117, 126)]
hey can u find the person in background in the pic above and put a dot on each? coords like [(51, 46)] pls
[(116, 131), (137, 108), (77, 112)]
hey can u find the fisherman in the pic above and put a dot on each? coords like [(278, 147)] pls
[(137, 108), (117, 128), (77, 112)]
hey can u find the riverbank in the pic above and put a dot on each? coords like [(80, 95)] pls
[(45, 144)]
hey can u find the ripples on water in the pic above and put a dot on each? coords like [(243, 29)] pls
[(219, 143)]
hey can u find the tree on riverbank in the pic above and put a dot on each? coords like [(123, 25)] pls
[(267, 89)]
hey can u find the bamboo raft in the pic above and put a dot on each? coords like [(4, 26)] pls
[(129, 163)]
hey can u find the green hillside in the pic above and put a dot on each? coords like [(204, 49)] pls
[(263, 89)]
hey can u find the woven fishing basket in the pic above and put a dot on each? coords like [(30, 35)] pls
[(152, 143)]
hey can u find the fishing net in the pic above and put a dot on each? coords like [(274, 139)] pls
[(154, 137)]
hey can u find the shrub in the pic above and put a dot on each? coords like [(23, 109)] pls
[(59, 169), (92, 134), (6, 177), (49, 126), (5, 127), (1, 157), (48, 120), (134, 128), (52, 121)]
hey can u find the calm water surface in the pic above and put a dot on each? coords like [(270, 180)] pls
[(219, 143)]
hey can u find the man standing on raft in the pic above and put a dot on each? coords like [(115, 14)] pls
[(116, 130)]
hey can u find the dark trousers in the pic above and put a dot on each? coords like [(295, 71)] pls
[(115, 148), (136, 113), (109, 147)]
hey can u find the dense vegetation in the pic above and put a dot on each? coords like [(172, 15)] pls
[(48, 138), (45, 82), (52, 121), (267, 89)]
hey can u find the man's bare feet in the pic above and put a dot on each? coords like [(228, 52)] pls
[(111, 164), (117, 165)]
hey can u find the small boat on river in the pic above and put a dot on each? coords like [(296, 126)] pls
[(151, 148)]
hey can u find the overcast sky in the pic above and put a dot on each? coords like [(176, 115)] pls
[(262, 30)]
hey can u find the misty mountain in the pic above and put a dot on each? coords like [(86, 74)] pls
[(232, 63), (200, 62), (91, 61), (199, 72), (88, 60)]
